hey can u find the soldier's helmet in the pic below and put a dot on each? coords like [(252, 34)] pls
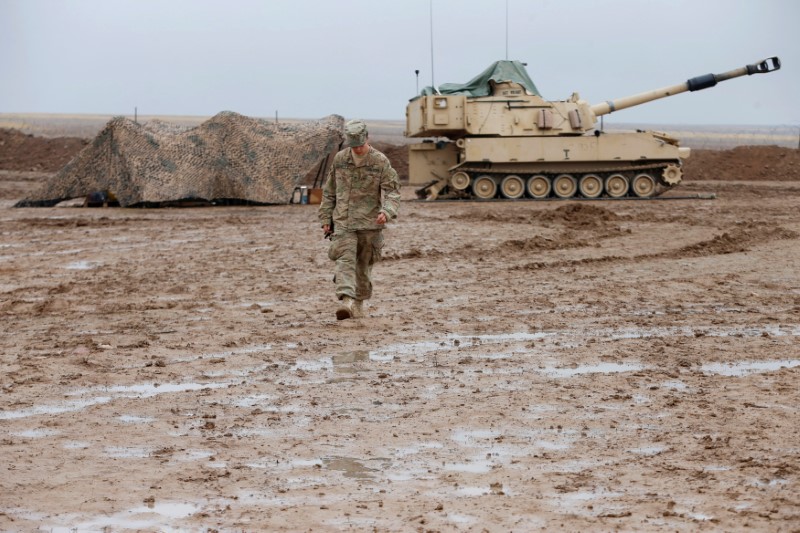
[(355, 132)]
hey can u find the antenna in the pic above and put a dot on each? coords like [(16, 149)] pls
[(417, 73), (506, 30), (433, 83)]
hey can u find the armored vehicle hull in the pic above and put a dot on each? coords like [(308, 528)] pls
[(496, 137), (641, 164)]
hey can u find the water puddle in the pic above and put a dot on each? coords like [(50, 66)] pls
[(452, 343), (133, 419), (122, 452), (743, 369), (36, 433), (352, 468), (83, 265), (76, 445), (415, 474), (770, 483), (348, 362), (602, 368), (471, 492), (64, 407), (474, 437), (144, 390), (245, 350), (474, 467), (586, 495), (496, 356), (305, 463), (469, 340), (314, 366), (193, 455), (389, 353), (553, 446), (253, 401), (648, 450), (674, 385), (464, 519), (417, 448), (716, 468), (147, 517), (257, 432), (687, 331), (147, 390)]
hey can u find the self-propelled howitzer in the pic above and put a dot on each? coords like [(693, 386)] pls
[(496, 136)]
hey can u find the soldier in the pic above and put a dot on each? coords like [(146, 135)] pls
[(361, 193)]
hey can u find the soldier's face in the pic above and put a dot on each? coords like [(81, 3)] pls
[(361, 150)]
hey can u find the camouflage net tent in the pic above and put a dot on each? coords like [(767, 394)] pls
[(230, 157)]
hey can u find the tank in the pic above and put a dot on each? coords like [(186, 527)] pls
[(496, 137)]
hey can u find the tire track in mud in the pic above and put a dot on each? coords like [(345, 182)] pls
[(738, 240), (576, 219), (585, 225)]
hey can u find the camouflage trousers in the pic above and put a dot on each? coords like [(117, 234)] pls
[(355, 252)]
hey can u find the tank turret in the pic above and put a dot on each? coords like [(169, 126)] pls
[(496, 135)]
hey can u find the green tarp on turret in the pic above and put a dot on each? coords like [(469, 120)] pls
[(498, 72)]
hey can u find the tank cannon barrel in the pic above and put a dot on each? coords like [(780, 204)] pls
[(695, 84)]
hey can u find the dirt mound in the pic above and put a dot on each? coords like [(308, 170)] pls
[(738, 239), (744, 163), (579, 215), (22, 152), (398, 155)]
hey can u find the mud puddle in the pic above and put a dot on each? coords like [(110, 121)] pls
[(151, 516), (144, 390), (740, 369)]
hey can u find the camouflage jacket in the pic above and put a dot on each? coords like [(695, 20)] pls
[(351, 196)]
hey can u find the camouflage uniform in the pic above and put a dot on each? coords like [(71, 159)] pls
[(351, 201)]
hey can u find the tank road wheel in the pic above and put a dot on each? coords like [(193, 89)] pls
[(512, 187), (617, 186), (484, 187), (591, 186), (539, 186), (565, 186), (643, 185), (672, 175), (460, 181)]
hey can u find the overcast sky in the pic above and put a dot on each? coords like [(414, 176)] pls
[(356, 58)]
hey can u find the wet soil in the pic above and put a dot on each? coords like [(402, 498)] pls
[(560, 365)]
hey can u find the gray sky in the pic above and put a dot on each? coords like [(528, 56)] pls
[(356, 58)]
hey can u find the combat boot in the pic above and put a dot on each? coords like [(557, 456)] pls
[(345, 309), (358, 309)]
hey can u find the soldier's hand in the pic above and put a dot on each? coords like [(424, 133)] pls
[(326, 229), (381, 220)]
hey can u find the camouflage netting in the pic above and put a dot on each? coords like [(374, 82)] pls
[(228, 157)]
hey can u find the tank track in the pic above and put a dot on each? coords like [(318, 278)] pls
[(562, 170), (448, 192)]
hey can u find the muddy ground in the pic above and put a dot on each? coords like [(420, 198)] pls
[(561, 365)]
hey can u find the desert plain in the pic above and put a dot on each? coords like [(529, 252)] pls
[(573, 365)]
